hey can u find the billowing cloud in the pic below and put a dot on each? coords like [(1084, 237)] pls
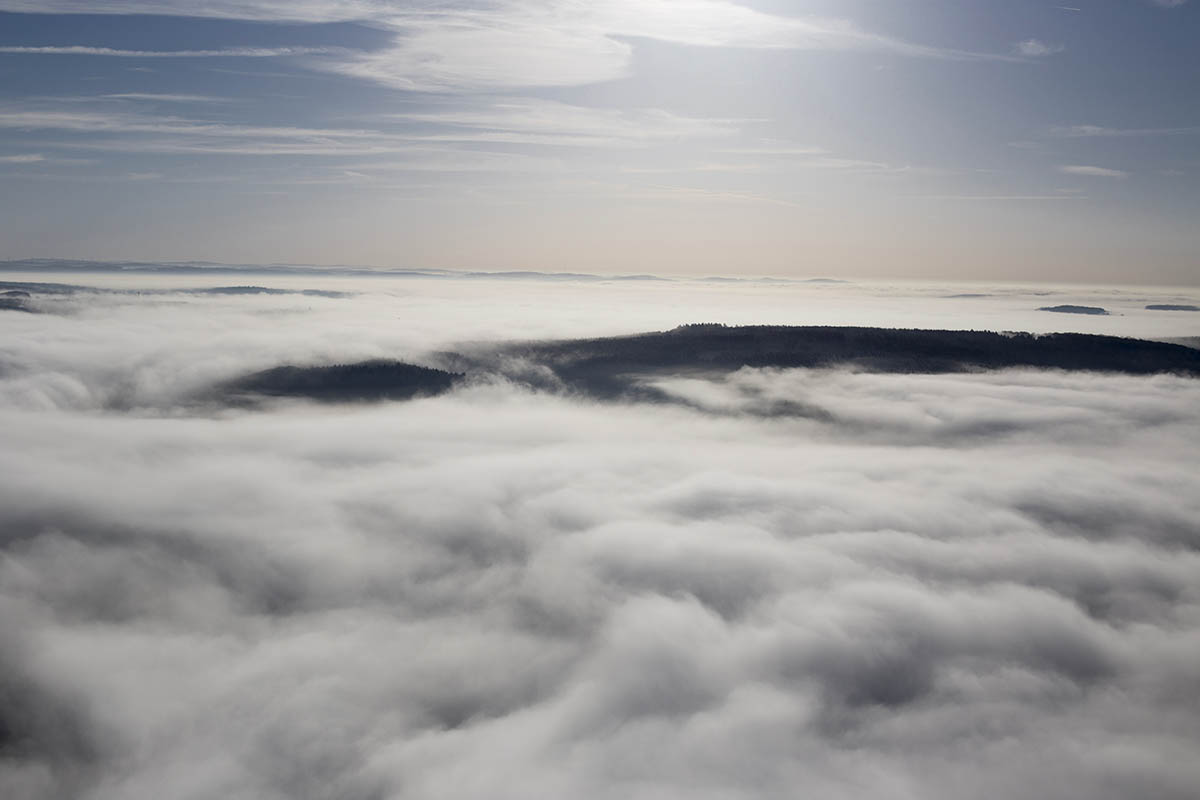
[(944, 587)]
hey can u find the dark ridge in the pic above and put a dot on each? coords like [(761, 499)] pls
[(1075, 310), (56, 265), (552, 276), (255, 290), (28, 289), (24, 289), (363, 381), (762, 279), (1171, 307), (16, 302), (613, 367), (212, 268)]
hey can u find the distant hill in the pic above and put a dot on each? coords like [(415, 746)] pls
[(1171, 307), (611, 366), (616, 367), (1075, 310), (365, 380), (15, 300), (26, 289)]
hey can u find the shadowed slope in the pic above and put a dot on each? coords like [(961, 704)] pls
[(1095, 310), (366, 380), (609, 367), (615, 367)]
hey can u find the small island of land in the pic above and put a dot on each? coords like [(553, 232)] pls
[(1096, 310)]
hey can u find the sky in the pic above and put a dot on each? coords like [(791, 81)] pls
[(948, 139)]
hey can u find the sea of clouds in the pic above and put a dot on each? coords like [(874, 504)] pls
[(957, 586)]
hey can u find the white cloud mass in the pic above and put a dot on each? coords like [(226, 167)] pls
[(952, 586)]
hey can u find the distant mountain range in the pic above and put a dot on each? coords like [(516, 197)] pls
[(71, 266)]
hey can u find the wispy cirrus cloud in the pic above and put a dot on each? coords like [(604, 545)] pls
[(565, 44), (251, 10), (152, 97), (1036, 48), (1000, 198), (781, 156), (1097, 131), (1092, 171), (22, 158), (178, 134), (446, 46), (228, 52), (525, 122), (530, 121)]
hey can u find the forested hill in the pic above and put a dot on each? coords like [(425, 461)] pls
[(593, 363), (614, 367), (365, 380)]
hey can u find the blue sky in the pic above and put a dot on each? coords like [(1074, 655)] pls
[(895, 138)]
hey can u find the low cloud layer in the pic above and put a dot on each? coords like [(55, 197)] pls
[(958, 586)]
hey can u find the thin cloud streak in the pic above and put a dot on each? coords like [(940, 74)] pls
[(1093, 131), (250, 10), (1092, 171), (1035, 48), (999, 197), (531, 122), (232, 52), (152, 97), (546, 122)]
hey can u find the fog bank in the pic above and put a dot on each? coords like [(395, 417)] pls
[(931, 586)]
